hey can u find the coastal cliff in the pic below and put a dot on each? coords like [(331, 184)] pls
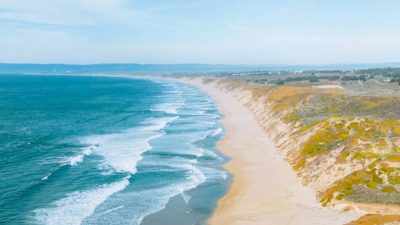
[(346, 148)]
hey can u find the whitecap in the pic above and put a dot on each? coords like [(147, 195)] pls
[(76, 159), (171, 108), (156, 124), (76, 206), (46, 177), (122, 151), (146, 202)]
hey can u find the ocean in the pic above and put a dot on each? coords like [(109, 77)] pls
[(107, 150)]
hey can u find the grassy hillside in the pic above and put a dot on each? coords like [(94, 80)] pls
[(347, 146)]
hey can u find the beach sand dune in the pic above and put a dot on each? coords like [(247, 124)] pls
[(265, 190)]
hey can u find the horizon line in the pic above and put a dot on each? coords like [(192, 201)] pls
[(199, 64)]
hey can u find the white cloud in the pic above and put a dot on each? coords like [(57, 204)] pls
[(178, 31), (66, 12)]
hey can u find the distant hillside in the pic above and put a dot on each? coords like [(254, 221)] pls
[(117, 68), (171, 68)]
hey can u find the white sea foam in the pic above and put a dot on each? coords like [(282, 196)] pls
[(174, 100), (213, 174), (146, 202), (75, 160), (171, 108), (149, 201), (156, 124), (76, 206), (198, 152), (209, 153), (113, 209), (122, 151), (195, 175), (217, 131), (46, 177), (201, 112)]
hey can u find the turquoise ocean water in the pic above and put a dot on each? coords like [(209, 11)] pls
[(102, 150)]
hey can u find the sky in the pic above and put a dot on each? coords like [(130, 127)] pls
[(200, 31)]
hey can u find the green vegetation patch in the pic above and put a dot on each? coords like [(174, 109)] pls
[(379, 184), (361, 139), (320, 107)]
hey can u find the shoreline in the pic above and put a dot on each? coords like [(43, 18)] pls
[(264, 189)]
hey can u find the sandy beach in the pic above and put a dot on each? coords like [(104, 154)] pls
[(265, 190)]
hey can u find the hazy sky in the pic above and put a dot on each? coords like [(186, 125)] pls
[(200, 31)]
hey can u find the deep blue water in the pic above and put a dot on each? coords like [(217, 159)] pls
[(102, 150)]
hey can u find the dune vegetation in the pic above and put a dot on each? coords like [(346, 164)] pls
[(345, 146)]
